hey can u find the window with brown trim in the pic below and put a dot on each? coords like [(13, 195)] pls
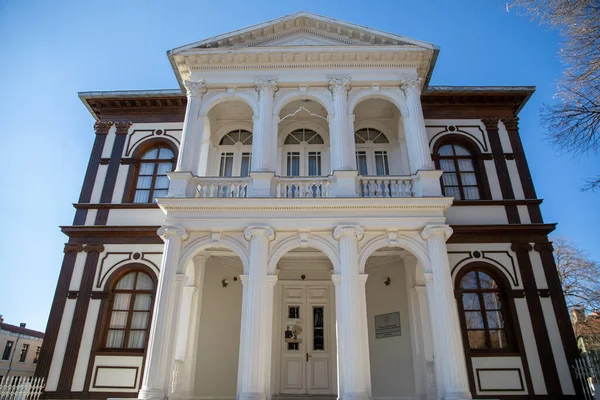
[(130, 311), (152, 180), (460, 178), (484, 312)]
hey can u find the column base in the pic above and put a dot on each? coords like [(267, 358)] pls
[(152, 394), (355, 396), (262, 184), (345, 183), (252, 396), (458, 396)]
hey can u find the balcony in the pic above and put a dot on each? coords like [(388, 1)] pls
[(341, 184)]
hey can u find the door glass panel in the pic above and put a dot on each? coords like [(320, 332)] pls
[(293, 346), (226, 164), (246, 161), (381, 163), (314, 163), (293, 312), (361, 162), (318, 329), (293, 163)]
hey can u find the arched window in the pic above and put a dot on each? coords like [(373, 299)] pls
[(303, 149), (371, 152), (460, 176), (235, 152), (152, 180), (130, 311), (485, 312)]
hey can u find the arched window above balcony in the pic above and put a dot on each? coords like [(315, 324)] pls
[(371, 152), (235, 153), (303, 152)]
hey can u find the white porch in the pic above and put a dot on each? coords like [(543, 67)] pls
[(331, 262)]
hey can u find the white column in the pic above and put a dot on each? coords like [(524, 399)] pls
[(161, 342), (193, 130), (448, 345), (339, 330), (186, 351), (352, 325), (264, 140), (341, 135), (414, 127), (257, 316)]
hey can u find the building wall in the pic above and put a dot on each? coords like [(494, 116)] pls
[(16, 367)]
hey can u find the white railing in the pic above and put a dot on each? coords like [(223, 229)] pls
[(303, 187), (222, 186), (21, 387), (385, 186)]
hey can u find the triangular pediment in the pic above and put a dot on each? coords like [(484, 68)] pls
[(302, 29), (302, 38)]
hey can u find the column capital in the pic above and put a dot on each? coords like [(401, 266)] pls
[(510, 122), (266, 85), (336, 279), (195, 88), (339, 85), (266, 231), (490, 122), (73, 247), (342, 230), (436, 230), (521, 247), (168, 231), (272, 279), (102, 127), (539, 247), (412, 85), (93, 247), (123, 127)]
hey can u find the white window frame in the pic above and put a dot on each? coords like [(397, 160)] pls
[(370, 148), (303, 148), (238, 149)]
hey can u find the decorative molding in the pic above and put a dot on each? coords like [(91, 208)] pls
[(343, 230), (483, 144), (264, 86), (195, 88), (436, 230), (168, 231), (102, 127), (123, 127), (510, 122), (266, 231), (72, 247), (490, 122), (339, 85), (93, 247), (152, 133), (413, 85), (516, 247)]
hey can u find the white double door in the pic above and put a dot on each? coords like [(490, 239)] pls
[(307, 338)]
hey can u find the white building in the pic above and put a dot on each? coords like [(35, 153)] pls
[(332, 226), (20, 349)]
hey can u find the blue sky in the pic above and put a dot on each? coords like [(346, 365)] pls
[(52, 50)]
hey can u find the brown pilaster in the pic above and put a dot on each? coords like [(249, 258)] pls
[(81, 308), (491, 126), (112, 170), (101, 128), (560, 307), (540, 331), (57, 310), (512, 127)]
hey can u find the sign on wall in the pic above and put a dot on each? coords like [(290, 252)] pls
[(387, 325)]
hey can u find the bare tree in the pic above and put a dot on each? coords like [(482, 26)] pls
[(579, 275), (574, 122)]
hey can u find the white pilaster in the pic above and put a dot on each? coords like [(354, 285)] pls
[(352, 325), (191, 139), (264, 140), (161, 342), (414, 127), (188, 355), (339, 333), (451, 369), (257, 318)]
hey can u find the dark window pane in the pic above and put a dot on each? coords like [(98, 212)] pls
[(486, 281), (498, 339), (471, 301), (492, 301), (318, 329), (461, 151), (165, 154), (477, 339), (447, 165), (150, 154), (469, 281), (474, 320), (495, 320)]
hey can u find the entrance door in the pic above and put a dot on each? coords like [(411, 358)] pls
[(308, 357)]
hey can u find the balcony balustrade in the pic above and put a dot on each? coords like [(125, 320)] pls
[(422, 184)]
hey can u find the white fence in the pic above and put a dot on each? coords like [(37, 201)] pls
[(222, 187), (388, 186), (301, 186), (587, 372), (21, 388)]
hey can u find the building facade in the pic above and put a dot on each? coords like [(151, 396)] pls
[(20, 349), (306, 215)]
